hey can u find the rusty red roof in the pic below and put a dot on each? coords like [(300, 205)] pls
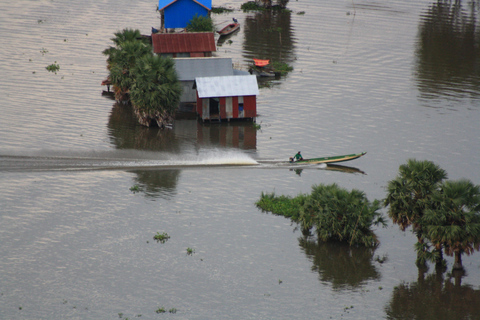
[(183, 42)]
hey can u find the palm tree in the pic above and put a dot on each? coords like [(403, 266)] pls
[(121, 37), (454, 220), (129, 46), (155, 95), (409, 193), (122, 62)]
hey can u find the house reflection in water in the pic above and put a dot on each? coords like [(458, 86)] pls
[(236, 134), (239, 135)]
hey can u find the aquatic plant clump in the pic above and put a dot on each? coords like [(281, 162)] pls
[(336, 214), (54, 67), (341, 215), (161, 237), (281, 67)]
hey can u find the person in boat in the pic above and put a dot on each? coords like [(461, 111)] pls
[(235, 20), (296, 157)]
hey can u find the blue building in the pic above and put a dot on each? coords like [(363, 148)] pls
[(177, 13)]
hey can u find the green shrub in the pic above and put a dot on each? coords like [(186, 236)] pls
[(200, 24)]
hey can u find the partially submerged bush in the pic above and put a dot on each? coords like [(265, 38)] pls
[(336, 214)]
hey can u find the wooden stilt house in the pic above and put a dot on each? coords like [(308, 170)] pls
[(227, 97)]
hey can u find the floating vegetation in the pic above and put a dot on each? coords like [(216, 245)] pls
[(160, 310), (173, 310), (54, 67), (251, 6), (301, 13), (190, 251), (257, 126), (220, 10), (161, 237), (281, 67), (43, 51), (135, 188)]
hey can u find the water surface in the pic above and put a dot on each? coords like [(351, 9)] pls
[(398, 79)]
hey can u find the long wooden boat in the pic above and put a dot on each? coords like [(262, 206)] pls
[(333, 159), (229, 29)]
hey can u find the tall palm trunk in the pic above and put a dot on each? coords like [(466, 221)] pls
[(458, 260)]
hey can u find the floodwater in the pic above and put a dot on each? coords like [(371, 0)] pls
[(85, 189)]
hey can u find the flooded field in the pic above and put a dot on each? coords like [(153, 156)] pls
[(85, 189)]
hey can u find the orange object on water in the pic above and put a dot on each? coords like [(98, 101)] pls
[(261, 63)]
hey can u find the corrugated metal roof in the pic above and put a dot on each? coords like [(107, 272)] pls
[(227, 86), (183, 42), (190, 68), (162, 4)]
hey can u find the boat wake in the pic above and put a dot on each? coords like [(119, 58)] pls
[(118, 160)]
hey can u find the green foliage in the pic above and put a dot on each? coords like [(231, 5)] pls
[(409, 194), (219, 10), (54, 67), (121, 59), (160, 310), (453, 219), (190, 251), (445, 215), (161, 237), (251, 6), (156, 88), (340, 215), (135, 188), (337, 215), (281, 205), (200, 24), (281, 67), (148, 80)]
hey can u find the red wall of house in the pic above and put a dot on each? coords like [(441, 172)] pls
[(223, 108), (250, 106)]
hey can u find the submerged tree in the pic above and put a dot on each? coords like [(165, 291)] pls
[(150, 82), (409, 195), (336, 214), (445, 215), (155, 95), (340, 215), (121, 59), (454, 219)]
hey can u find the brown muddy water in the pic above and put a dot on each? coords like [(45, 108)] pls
[(398, 79)]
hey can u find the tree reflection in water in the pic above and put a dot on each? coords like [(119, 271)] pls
[(345, 267), (447, 51), (434, 297), (157, 183)]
